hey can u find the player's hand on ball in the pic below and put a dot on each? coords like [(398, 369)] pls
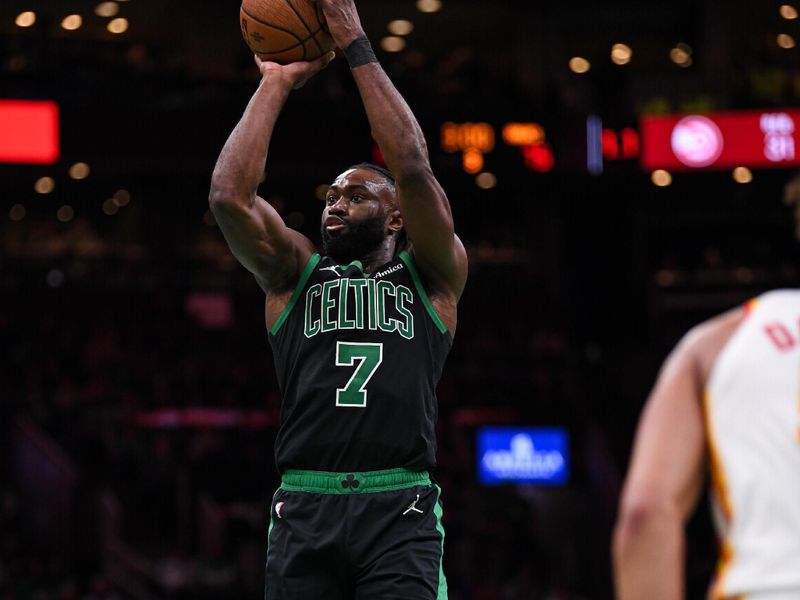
[(343, 21), (296, 73)]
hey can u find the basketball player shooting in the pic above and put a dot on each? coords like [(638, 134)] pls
[(359, 337), (726, 397)]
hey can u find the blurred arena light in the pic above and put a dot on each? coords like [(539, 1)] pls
[(79, 170), (486, 180), (742, 175), (462, 136), (44, 185), (17, 212), (523, 134), (65, 213), (785, 41), (400, 27), (121, 198), (321, 191), (788, 12), (110, 207), (472, 161), (107, 9), (661, 178), (72, 22), (621, 54), (118, 25), (429, 6), (579, 65), (25, 19), (393, 43), (681, 55)]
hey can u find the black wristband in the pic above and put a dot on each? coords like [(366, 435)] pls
[(359, 53)]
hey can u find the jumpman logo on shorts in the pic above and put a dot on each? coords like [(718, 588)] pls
[(413, 506)]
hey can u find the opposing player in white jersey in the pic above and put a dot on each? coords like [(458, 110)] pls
[(727, 399)]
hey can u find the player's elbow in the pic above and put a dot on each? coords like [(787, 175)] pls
[(640, 517), (412, 171), (410, 161), (222, 199)]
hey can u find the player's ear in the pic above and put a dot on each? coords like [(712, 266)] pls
[(394, 220)]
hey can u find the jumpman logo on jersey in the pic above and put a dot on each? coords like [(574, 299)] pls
[(413, 506), (333, 268)]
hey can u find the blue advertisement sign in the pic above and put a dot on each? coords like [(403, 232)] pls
[(530, 455)]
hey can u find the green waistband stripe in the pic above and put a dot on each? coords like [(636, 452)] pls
[(301, 283), (365, 482)]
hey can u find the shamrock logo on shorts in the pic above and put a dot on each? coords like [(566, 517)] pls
[(350, 481)]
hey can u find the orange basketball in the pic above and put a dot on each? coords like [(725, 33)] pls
[(285, 31)]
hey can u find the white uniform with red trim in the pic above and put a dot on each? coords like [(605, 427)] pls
[(753, 422)]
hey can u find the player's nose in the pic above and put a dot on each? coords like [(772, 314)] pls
[(339, 207)]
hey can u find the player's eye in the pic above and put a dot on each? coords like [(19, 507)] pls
[(331, 200), (356, 198)]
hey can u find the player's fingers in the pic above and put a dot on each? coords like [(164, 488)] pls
[(315, 66), (326, 58)]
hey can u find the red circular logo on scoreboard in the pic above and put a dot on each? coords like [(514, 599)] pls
[(696, 141)]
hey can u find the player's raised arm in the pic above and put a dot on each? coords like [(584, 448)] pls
[(663, 483), (423, 203), (255, 232)]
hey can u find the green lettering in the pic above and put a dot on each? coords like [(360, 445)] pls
[(343, 322), (312, 327), (385, 288), (372, 304), (328, 303), (406, 327), (358, 287)]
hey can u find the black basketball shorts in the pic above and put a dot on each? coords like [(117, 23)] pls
[(356, 536)]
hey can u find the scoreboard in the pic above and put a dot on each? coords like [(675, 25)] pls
[(29, 132), (725, 140)]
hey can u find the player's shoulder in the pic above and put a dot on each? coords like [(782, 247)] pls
[(704, 342), (777, 298)]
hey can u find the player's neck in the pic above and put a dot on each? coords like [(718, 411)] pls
[(382, 254)]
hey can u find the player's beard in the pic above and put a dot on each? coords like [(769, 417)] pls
[(356, 241)]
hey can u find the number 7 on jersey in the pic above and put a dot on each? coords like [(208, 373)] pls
[(369, 355)]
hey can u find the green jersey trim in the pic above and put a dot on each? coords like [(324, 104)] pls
[(365, 482), (357, 264), (301, 283), (441, 592), (271, 518), (407, 260)]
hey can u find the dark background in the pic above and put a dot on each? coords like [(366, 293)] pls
[(139, 401)]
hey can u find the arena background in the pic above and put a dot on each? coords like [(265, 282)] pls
[(138, 397)]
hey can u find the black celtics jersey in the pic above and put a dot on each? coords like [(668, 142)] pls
[(358, 358)]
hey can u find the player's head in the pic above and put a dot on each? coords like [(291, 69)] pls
[(361, 214)]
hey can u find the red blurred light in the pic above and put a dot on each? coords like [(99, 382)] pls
[(29, 132), (539, 157), (630, 143), (377, 155), (610, 144)]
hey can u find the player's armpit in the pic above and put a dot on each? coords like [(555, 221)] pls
[(663, 483), (261, 241), (429, 222)]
